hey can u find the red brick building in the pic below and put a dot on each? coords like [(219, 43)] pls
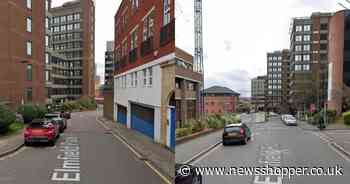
[(339, 60), (22, 35), (220, 100), (143, 84)]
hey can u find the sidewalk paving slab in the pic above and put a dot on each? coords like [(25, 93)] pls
[(10, 144), (160, 156)]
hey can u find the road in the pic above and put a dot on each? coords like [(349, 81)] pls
[(100, 159), (277, 144)]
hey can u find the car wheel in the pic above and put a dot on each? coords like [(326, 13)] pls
[(224, 143), (26, 143), (52, 143)]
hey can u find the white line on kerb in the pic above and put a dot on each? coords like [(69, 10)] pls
[(165, 179)]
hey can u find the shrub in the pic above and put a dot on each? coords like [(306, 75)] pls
[(7, 117), (28, 111), (331, 115), (40, 111), (197, 126), (346, 116), (181, 132), (87, 103)]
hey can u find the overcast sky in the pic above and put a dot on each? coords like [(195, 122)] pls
[(237, 35)]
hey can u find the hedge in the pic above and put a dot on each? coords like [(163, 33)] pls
[(346, 116), (7, 117), (31, 111)]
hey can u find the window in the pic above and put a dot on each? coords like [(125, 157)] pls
[(56, 20), (63, 19), (29, 72), (47, 20), (297, 58), (306, 57), (297, 67), (148, 26), (307, 27), (298, 48), (150, 74), (46, 41), (56, 29), (29, 94), (29, 4), (324, 26), (77, 26), (77, 16), (306, 48), (298, 28), (29, 48), (46, 5), (323, 37), (306, 67), (135, 5), (29, 24), (144, 71), (134, 39), (298, 38), (166, 12), (306, 37), (70, 17), (47, 58), (47, 75), (135, 79), (70, 27)]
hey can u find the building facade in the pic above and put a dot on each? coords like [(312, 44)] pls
[(258, 89), (109, 63), (308, 61), (220, 100), (339, 61), (274, 81), (143, 89), (22, 52), (187, 87), (71, 69)]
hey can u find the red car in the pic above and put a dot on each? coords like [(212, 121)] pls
[(41, 131)]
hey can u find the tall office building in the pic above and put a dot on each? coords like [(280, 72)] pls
[(22, 51), (274, 81), (308, 61), (109, 63), (258, 89), (72, 50)]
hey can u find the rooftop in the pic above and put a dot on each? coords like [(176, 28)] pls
[(220, 90)]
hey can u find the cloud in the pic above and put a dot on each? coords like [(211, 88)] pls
[(237, 80)]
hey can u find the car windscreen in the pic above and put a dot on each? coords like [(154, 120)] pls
[(39, 125), (50, 116), (232, 129)]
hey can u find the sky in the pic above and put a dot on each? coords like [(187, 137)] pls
[(238, 34)]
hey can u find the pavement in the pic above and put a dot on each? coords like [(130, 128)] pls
[(10, 144), (85, 153), (158, 155), (278, 144)]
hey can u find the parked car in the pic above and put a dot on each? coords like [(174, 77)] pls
[(58, 119), (66, 115), (238, 132), (290, 120), (41, 131), (185, 174), (61, 122)]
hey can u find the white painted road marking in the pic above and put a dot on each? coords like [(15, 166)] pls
[(70, 170)]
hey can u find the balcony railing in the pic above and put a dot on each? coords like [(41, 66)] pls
[(133, 55), (147, 46), (167, 33)]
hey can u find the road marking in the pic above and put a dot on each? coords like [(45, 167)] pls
[(70, 170), (165, 179), (205, 155), (337, 151)]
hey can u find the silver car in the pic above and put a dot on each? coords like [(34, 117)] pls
[(290, 120)]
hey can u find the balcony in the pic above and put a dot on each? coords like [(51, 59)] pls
[(188, 73), (167, 33), (147, 46), (133, 55)]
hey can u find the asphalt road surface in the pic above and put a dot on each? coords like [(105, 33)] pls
[(85, 153), (276, 144)]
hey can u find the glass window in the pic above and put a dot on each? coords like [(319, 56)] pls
[(297, 58), (306, 37), (47, 58), (148, 26), (306, 47), (77, 16), (70, 27), (298, 48), (70, 17), (63, 19), (150, 74), (134, 39), (166, 12), (29, 48), (144, 71), (77, 26), (29, 94), (298, 38), (46, 41), (29, 24), (298, 28), (307, 27), (29, 4), (47, 20), (29, 72), (47, 75), (63, 28), (306, 57), (306, 67)]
